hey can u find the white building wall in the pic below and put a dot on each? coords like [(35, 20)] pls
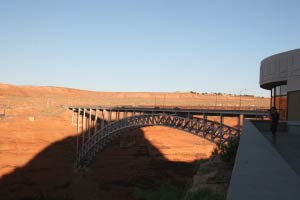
[(294, 73), (282, 67)]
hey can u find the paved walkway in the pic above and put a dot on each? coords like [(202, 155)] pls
[(260, 172), (288, 145)]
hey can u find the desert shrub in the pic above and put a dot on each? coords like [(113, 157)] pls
[(165, 192), (205, 194), (227, 151)]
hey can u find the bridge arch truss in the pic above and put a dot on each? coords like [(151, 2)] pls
[(92, 139)]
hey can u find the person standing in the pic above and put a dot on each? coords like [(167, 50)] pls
[(274, 123)]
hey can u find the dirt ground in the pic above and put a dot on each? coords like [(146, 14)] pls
[(37, 143), (37, 161), (13, 97)]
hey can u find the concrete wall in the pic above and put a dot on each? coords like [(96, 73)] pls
[(280, 68), (294, 106), (265, 125), (294, 127), (260, 172)]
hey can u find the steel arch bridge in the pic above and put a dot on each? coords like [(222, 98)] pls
[(89, 144)]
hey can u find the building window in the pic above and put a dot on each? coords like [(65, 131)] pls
[(279, 100)]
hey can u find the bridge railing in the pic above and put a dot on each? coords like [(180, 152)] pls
[(178, 107)]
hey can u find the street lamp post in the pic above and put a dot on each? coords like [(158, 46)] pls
[(241, 97), (240, 117), (216, 101)]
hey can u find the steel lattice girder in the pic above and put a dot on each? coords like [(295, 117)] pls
[(210, 130)]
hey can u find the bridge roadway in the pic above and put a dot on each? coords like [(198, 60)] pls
[(209, 111), (182, 111)]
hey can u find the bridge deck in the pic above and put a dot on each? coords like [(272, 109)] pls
[(192, 111)]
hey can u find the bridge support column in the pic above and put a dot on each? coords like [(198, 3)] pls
[(205, 117), (83, 128), (77, 144), (109, 116), (96, 118), (90, 123), (73, 115), (221, 120), (102, 120), (240, 120), (125, 121)]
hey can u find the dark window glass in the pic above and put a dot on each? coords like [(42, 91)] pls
[(283, 107), (277, 90), (283, 90), (279, 100)]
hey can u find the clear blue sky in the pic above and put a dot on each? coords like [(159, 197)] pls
[(140, 45)]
